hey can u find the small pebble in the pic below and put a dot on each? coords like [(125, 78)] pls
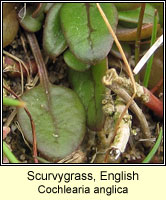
[(22, 157)]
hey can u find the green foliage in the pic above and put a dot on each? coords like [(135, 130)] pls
[(30, 23), (85, 32), (154, 149), (160, 9), (127, 6), (59, 115), (11, 157), (53, 40), (150, 62), (59, 119), (130, 18), (74, 63), (48, 6), (88, 85), (130, 34)]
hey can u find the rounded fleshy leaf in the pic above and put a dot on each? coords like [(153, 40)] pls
[(89, 87), (85, 31), (59, 119), (130, 34), (127, 6), (48, 6), (130, 18), (29, 23), (40, 7), (74, 63), (53, 39)]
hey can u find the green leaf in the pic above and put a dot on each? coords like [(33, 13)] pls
[(31, 24), (130, 34), (8, 153), (74, 63), (130, 18), (53, 40), (59, 119), (127, 6), (150, 61), (160, 9), (154, 149), (40, 8), (89, 87), (48, 6), (85, 31)]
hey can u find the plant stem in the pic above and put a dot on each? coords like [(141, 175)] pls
[(39, 60), (12, 102), (138, 36), (11, 157), (121, 138), (122, 87), (154, 103), (154, 149), (134, 108), (153, 39), (128, 69), (157, 86)]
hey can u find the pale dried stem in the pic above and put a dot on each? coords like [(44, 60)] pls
[(19, 128), (123, 82), (134, 108), (26, 53), (22, 64), (123, 133), (111, 144), (22, 81), (125, 62)]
